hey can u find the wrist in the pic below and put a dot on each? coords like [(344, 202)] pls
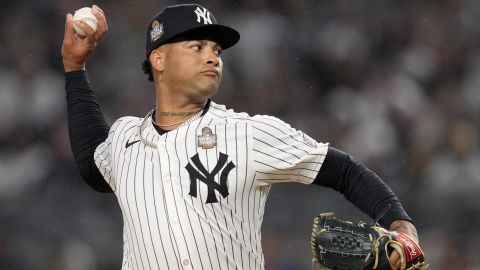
[(68, 66), (405, 227)]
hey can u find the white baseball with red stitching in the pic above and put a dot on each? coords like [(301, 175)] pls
[(85, 14)]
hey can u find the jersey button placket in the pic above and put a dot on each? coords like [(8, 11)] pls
[(172, 209), (186, 264), (170, 200), (174, 222)]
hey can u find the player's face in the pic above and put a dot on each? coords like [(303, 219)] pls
[(193, 66)]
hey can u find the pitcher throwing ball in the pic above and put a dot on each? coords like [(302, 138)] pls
[(192, 177)]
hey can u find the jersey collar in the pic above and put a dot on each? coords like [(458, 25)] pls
[(149, 133)]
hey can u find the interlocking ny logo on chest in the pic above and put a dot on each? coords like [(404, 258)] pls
[(201, 174)]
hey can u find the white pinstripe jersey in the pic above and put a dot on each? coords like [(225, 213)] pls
[(187, 206)]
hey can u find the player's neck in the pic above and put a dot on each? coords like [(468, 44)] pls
[(173, 111)]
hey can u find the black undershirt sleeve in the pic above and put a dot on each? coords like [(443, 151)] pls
[(87, 127), (360, 186)]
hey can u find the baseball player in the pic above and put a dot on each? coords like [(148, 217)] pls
[(192, 176)]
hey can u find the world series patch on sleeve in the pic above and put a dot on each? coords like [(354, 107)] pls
[(342, 245)]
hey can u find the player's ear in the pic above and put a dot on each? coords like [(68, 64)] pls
[(157, 60)]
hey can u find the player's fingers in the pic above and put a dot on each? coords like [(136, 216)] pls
[(89, 40), (87, 30), (85, 27), (102, 21), (395, 260), (69, 32), (98, 9)]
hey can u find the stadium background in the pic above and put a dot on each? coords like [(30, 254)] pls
[(394, 83)]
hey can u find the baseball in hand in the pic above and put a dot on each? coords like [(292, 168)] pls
[(85, 14)]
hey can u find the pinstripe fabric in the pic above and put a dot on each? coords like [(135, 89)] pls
[(164, 226)]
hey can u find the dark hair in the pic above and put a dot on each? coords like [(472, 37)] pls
[(147, 69)]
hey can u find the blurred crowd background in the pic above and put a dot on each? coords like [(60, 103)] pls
[(393, 83)]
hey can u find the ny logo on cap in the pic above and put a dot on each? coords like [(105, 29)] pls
[(205, 14)]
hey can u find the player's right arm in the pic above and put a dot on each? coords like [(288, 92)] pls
[(86, 124)]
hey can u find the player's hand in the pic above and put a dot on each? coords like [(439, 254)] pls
[(75, 48), (408, 229)]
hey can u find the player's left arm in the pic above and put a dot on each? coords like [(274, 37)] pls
[(363, 187), (284, 154), (367, 191)]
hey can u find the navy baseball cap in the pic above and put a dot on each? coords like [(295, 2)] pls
[(185, 20)]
